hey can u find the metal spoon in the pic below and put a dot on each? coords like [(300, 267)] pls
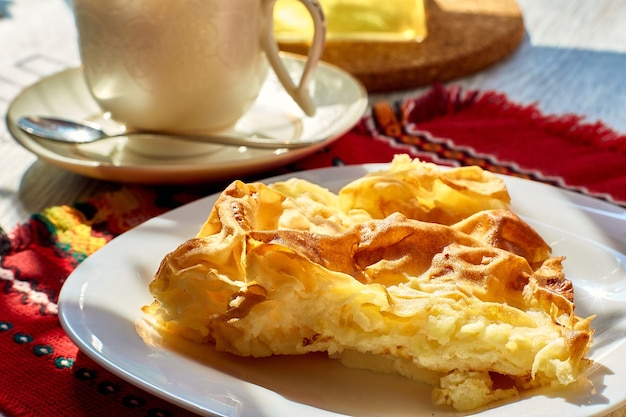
[(72, 132)]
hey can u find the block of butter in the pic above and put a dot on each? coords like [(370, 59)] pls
[(393, 20)]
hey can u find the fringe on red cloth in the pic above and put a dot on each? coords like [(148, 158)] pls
[(452, 126), (445, 101)]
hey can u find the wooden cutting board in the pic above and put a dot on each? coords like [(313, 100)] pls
[(464, 36)]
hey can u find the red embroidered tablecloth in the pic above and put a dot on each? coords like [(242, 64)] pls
[(42, 371)]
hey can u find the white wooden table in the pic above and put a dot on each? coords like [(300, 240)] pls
[(573, 60)]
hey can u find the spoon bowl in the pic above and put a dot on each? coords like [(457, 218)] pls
[(74, 132)]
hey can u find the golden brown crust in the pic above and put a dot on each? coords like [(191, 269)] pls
[(478, 306), (425, 192), (505, 230)]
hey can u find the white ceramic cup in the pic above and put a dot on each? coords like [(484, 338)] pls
[(185, 65)]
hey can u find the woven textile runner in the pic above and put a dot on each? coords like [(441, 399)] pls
[(44, 373)]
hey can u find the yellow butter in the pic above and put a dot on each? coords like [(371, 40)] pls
[(393, 20)]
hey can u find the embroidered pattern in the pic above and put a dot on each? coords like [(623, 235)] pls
[(36, 258), (393, 123)]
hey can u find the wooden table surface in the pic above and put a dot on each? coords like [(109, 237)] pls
[(572, 60)]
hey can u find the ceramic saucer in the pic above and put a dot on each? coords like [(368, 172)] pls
[(340, 99)]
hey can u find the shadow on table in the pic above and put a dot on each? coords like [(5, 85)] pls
[(561, 80), (4, 8), (44, 185)]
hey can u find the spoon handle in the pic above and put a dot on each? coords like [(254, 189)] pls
[(232, 140), (68, 132)]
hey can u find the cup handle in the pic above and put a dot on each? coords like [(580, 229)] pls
[(300, 92)]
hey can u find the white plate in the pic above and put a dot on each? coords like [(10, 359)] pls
[(340, 99), (100, 306)]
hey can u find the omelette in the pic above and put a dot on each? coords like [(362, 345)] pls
[(415, 270)]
